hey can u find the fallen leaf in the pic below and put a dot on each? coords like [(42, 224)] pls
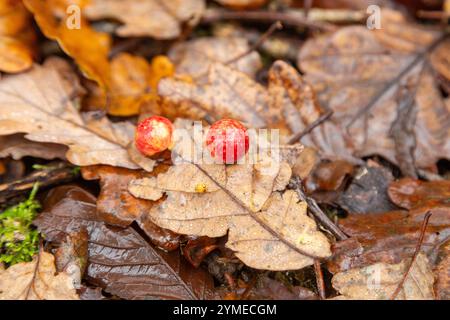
[(88, 47), (124, 84), (387, 237), (272, 224), (270, 289), (116, 206), (244, 200), (36, 280), (288, 104), (356, 72), (16, 37), (17, 147), (36, 103), (442, 284), (328, 176), (120, 260), (194, 57), (379, 281), (197, 248), (412, 194), (147, 18)]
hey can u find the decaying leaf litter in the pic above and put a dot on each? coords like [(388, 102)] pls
[(357, 206)]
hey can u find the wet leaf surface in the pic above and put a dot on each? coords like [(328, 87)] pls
[(120, 260), (116, 206)]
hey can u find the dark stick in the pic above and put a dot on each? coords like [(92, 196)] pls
[(296, 183), (416, 253), (294, 20), (275, 26), (296, 137), (319, 279), (419, 57), (54, 174)]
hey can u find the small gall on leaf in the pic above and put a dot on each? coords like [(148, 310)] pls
[(153, 135), (227, 141)]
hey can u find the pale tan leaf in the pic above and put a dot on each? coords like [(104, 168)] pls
[(228, 94), (158, 19), (379, 281), (263, 224), (194, 57), (17, 147), (37, 103), (36, 280)]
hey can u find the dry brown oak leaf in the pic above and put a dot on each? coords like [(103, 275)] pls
[(36, 280), (37, 103), (288, 104), (120, 260), (17, 147), (267, 228), (380, 280), (356, 73), (153, 18), (194, 57)]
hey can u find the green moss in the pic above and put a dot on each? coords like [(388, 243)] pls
[(18, 241)]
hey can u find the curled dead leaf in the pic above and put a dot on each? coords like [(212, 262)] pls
[(16, 37), (36, 280), (43, 110), (147, 18)]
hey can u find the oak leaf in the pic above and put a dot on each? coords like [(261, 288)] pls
[(367, 78), (36, 280), (17, 147), (90, 49), (161, 20), (245, 200), (288, 104), (380, 280), (16, 37), (194, 57), (120, 260), (37, 103)]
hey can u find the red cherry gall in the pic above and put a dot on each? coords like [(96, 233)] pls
[(153, 135), (227, 141)]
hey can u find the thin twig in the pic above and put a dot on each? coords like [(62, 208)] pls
[(274, 27), (296, 137), (287, 18), (319, 280), (419, 58), (55, 174), (296, 184), (414, 257), (35, 272)]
